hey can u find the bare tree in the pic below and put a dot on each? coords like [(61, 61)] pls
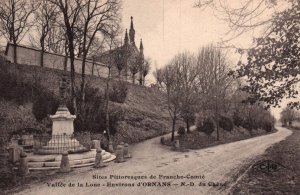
[(96, 17), (243, 17), (172, 86), (14, 20), (288, 115), (145, 68), (134, 66), (70, 10), (213, 79), (45, 18)]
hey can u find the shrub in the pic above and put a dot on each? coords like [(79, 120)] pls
[(43, 105), (92, 114), (181, 131), (118, 92), (208, 126), (267, 126), (226, 123), (237, 119)]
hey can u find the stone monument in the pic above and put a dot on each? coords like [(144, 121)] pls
[(62, 128)]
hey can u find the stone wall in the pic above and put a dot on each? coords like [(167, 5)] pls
[(31, 56)]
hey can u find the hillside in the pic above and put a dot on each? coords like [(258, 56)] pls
[(145, 113)]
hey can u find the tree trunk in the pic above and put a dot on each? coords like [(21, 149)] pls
[(107, 106), (72, 57), (133, 78), (15, 53), (187, 126), (42, 58), (83, 78), (173, 128)]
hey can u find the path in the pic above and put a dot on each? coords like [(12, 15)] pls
[(217, 164)]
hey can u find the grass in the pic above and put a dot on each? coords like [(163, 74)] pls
[(285, 180), (145, 109)]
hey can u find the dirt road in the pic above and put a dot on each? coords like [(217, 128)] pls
[(218, 165)]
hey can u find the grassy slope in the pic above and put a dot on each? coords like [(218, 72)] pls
[(145, 108)]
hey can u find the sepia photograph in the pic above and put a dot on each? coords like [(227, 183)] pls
[(158, 97)]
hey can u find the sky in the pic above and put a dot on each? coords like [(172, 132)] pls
[(170, 26)]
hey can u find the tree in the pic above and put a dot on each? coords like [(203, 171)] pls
[(158, 75), (120, 60), (70, 10), (145, 68), (45, 18), (171, 84), (134, 66), (242, 17), (272, 68), (96, 17), (187, 72), (272, 62), (14, 20), (287, 116)]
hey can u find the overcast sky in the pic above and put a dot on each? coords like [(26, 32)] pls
[(170, 26)]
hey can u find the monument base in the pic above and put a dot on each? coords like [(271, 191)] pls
[(60, 143)]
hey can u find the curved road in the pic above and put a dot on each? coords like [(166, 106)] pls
[(220, 164)]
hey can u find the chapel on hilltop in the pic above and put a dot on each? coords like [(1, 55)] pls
[(128, 54)]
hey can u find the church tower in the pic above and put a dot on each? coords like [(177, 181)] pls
[(141, 49), (126, 38), (131, 32)]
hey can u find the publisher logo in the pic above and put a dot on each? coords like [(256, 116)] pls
[(268, 166)]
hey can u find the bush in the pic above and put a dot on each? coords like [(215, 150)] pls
[(43, 105), (181, 131), (118, 92), (92, 113), (267, 126), (237, 119), (208, 126), (226, 123)]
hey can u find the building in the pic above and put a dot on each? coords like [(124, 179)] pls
[(129, 55)]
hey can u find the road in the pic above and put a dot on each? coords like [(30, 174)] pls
[(218, 164)]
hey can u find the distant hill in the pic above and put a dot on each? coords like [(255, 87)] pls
[(145, 108)]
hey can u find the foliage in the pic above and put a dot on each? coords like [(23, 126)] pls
[(207, 126), (272, 68), (288, 115), (91, 116), (118, 92), (181, 131), (237, 120), (226, 123), (43, 105)]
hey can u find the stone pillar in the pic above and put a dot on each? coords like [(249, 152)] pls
[(126, 151), (96, 144), (98, 160), (15, 153), (23, 165), (65, 164), (110, 146), (120, 154), (177, 145)]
